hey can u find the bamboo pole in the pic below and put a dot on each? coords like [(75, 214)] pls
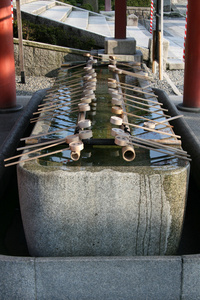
[(140, 117), (159, 145), (119, 121), (52, 144), (74, 67), (139, 91), (36, 157), (144, 109), (161, 42), (46, 133), (131, 85), (160, 56), (153, 53), (161, 151), (144, 99), (21, 52), (132, 74)]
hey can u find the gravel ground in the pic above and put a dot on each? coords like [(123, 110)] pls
[(34, 84), (176, 76)]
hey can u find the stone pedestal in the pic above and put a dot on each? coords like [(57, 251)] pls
[(165, 52), (116, 211), (132, 20), (102, 205), (120, 46)]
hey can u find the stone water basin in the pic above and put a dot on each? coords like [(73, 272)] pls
[(102, 205)]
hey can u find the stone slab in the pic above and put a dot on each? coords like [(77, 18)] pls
[(17, 278), (120, 46), (191, 278), (175, 64), (78, 19), (36, 7), (44, 59), (57, 13), (98, 25), (108, 278)]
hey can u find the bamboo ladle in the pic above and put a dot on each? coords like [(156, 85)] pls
[(124, 141), (82, 107), (73, 146), (119, 121), (136, 75), (119, 111)]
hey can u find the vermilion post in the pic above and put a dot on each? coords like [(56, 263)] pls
[(191, 96), (107, 5), (7, 63), (120, 19)]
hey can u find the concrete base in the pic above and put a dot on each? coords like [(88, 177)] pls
[(120, 46), (11, 109), (189, 109)]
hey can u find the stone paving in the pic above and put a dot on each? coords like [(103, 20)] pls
[(174, 25)]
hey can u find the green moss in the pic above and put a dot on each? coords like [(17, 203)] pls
[(87, 6), (53, 35), (140, 3), (71, 2)]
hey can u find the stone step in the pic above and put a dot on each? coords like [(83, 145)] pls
[(37, 7), (78, 18), (57, 13), (99, 25)]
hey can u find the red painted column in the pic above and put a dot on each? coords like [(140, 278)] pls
[(120, 19), (7, 63), (191, 96), (107, 5)]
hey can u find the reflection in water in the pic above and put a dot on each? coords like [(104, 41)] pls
[(99, 115)]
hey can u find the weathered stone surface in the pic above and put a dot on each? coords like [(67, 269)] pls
[(132, 20), (165, 51), (17, 278), (191, 279), (140, 12), (175, 64), (120, 46), (41, 59), (108, 278), (101, 211)]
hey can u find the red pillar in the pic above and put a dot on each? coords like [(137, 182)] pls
[(191, 96), (7, 63), (120, 19), (107, 5)]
